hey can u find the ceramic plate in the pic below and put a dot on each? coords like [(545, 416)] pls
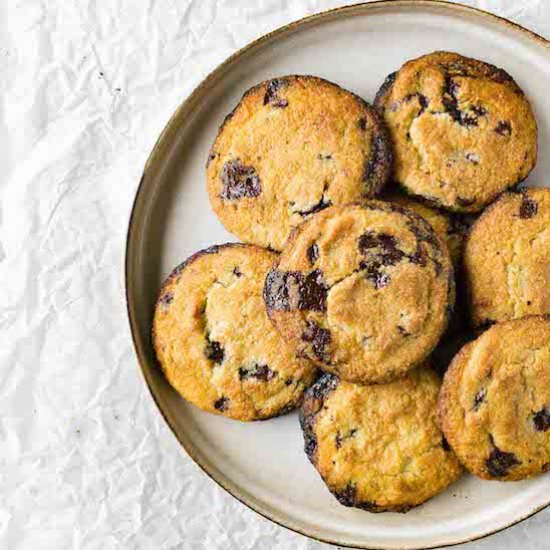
[(263, 464)]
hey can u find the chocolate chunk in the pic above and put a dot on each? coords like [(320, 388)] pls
[(472, 157), (377, 158), (389, 254), (338, 440), (362, 123), (319, 338), (259, 372), (403, 331), (324, 385), (312, 292), (222, 404), (214, 350), (374, 273), (450, 103), (288, 381), (541, 420), (313, 253), (479, 398), (479, 110), (211, 156), (272, 90), (528, 207), (445, 444), (286, 291), (239, 181), (499, 462), (166, 299), (503, 128), (347, 496), (278, 288), (237, 272)]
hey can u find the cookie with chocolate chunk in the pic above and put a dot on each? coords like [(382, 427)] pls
[(363, 290), (215, 343), (494, 406), (293, 146), (507, 258), (463, 131), (378, 447)]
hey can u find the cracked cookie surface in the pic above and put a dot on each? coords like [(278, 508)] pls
[(462, 130), (507, 258), (215, 343), (378, 447), (293, 146), (364, 291), (494, 406)]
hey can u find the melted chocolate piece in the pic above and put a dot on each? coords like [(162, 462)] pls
[(259, 372), (313, 253), (528, 208), (319, 338), (503, 128), (222, 404), (289, 290), (541, 420), (271, 93), (499, 462), (239, 181), (214, 350)]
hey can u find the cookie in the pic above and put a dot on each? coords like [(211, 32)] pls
[(293, 146), (364, 291), (507, 258), (378, 447), (215, 343), (494, 406), (451, 228), (462, 130)]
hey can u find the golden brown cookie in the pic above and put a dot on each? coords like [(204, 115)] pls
[(214, 340), (494, 406), (378, 447), (365, 291), (462, 130), (293, 146), (507, 258)]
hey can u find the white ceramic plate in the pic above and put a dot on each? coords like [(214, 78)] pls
[(262, 463)]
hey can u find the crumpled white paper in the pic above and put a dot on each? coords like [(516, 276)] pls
[(86, 460)]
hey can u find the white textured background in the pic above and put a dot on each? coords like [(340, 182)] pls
[(86, 460)]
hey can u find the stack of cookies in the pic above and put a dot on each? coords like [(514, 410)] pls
[(361, 228)]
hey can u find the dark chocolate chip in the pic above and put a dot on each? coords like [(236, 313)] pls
[(166, 299), (377, 158), (388, 253), (479, 398), (319, 338), (472, 157), (222, 404), (503, 128), (313, 253), (450, 103), (272, 91), (445, 444), (237, 272), (338, 440), (541, 420), (374, 273), (324, 385), (479, 110), (324, 157), (528, 207), (288, 381), (362, 123), (312, 292), (403, 331), (259, 372), (239, 181), (214, 350), (499, 462)]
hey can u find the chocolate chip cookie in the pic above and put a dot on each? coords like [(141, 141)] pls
[(365, 290), (293, 146), (494, 406), (215, 343), (463, 131), (507, 258), (378, 447)]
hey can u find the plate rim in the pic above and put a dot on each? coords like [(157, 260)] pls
[(160, 144)]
